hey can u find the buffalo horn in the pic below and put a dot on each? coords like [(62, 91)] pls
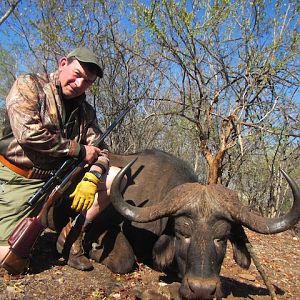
[(272, 225), (138, 214)]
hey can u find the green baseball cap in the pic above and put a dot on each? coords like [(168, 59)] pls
[(86, 56)]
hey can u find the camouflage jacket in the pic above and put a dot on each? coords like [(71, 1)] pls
[(40, 129)]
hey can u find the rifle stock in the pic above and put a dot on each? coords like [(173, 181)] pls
[(27, 232), (21, 242), (25, 235)]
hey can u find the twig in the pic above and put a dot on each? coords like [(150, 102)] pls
[(261, 270), (9, 11)]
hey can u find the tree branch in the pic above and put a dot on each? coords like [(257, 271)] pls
[(9, 11)]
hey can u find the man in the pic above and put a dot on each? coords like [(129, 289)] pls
[(48, 120)]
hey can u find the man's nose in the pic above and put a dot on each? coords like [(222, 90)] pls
[(79, 82)]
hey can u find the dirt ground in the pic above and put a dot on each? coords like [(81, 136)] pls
[(49, 277)]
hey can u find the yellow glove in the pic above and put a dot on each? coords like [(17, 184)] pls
[(84, 193)]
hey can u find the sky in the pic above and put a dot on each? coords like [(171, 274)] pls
[(8, 36)]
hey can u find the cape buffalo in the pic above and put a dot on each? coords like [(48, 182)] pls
[(171, 218)]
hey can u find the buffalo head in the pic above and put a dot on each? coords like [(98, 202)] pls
[(203, 219)]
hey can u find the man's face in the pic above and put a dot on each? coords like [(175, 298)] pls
[(74, 77)]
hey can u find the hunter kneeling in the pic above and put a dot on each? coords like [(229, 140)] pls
[(48, 122)]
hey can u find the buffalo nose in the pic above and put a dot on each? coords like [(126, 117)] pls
[(201, 288)]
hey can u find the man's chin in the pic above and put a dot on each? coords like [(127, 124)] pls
[(69, 93)]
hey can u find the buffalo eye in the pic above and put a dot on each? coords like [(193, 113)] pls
[(221, 232), (183, 228), (221, 242), (182, 235)]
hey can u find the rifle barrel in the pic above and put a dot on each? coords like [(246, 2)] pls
[(64, 173)]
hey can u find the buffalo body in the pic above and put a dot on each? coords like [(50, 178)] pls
[(170, 220)]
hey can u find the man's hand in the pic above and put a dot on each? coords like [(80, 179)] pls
[(84, 193), (91, 154)]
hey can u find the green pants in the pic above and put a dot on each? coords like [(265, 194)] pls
[(14, 193)]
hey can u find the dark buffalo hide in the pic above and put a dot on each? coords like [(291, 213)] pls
[(171, 221)]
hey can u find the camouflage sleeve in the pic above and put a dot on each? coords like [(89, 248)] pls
[(94, 133), (25, 107)]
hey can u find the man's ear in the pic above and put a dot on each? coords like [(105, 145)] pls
[(62, 62), (238, 240)]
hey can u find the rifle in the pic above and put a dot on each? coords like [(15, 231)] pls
[(25, 235)]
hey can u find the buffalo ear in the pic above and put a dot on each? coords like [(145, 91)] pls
[(163, 251), (238, 240)]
